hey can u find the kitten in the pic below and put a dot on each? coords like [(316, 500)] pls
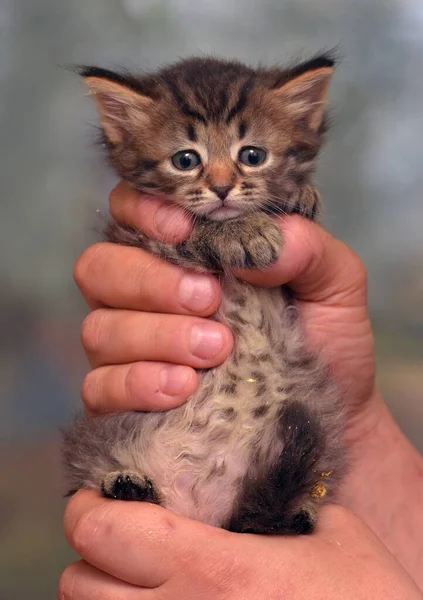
[(232, 146)]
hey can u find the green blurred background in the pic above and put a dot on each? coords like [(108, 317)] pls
[(53, 183)]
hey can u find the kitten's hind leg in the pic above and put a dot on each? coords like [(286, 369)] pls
[(280, 500), (126, 485)]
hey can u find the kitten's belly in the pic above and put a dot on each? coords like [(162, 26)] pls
[(199, 458), (199, 454)]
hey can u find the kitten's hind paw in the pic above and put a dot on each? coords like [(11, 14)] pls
[(125, 485), (305, 521)]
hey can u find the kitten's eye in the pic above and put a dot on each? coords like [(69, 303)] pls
[(186, 160), (252, 157)]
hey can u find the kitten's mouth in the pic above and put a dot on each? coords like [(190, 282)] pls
[(224, 212)]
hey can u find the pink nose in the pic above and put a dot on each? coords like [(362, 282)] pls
[(222, 191)]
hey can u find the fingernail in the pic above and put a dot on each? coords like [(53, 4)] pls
[(196, 292), (173, 379), (206, 340), (169, 220)]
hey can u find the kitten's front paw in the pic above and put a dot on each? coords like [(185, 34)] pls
[(251, 242)]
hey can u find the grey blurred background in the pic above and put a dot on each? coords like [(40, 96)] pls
[(53, 183)]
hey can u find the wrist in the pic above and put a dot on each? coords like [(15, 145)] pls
[(385, 484)]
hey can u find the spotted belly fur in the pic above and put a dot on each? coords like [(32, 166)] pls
[(270, 403)]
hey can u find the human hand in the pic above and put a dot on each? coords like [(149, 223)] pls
[(328, 278), (135, 551), (142, 322)]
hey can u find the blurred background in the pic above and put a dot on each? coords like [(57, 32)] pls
[(53, 184)]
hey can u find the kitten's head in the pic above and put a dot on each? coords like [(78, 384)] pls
[(216, 137)]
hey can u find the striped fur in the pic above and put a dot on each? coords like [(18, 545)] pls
[(249, 447)]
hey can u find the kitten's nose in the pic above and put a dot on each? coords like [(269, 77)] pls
[(222, 190)]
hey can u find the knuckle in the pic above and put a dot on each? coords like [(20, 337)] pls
[(89, 388), (115, 194), (92, 330), (360, 271), (83, 269), (356, 270), (131, 384), (342, 518), (163, 333), (83, 532), (67, 583)]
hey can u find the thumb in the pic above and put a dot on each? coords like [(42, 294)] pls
[(140, 543), (154, 217)]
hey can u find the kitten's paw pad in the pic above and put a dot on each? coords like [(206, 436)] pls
[(126, 485), (305, 521)]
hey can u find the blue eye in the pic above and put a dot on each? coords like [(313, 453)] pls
[(186, 160), (251, 156)]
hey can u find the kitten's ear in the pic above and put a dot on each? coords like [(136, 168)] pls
[(305, 95), (118, 105)]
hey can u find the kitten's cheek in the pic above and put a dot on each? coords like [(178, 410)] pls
[(138, 386)]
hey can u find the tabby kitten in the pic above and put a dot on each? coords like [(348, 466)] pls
[(232, 146)]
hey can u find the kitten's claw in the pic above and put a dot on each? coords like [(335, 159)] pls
[(128, 486)]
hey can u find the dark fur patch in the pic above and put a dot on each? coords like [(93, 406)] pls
[(228, 388), (261, 389), (234, 316), (242, 100), (303, 523), (233, 376), (326, 60), (242, 130), (260, 411), (286, 389), (191, 132), (182, 103), (272, 502), (264, 357), (148, 164), (229, 413), (258, 376), (240, 300)]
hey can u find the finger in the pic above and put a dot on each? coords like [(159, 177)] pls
[(318, 267), (335, 520), (112, 336), (137, 542), (122, 277), (154, 217), (138, 386), (329, 281), (81, 581)]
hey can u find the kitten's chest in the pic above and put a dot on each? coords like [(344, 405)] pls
[(259, 321), (233, 416), (242, 396)]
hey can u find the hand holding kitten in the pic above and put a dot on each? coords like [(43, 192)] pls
[(330, 283), (135, 551)]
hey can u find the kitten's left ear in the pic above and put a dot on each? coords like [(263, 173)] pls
[(304, 96), (120, 107)]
